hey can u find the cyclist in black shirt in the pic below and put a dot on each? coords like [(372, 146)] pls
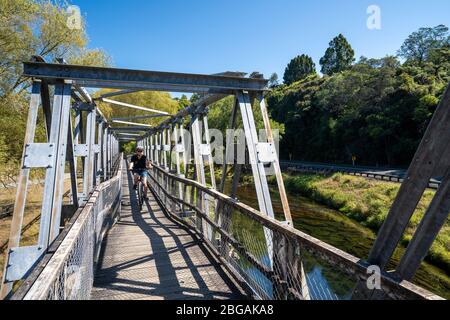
[(139, 164)]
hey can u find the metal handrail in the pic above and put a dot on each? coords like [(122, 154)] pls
[(287, 241), (68, 272)]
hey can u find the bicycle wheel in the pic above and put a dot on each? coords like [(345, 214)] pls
[(141, 195)]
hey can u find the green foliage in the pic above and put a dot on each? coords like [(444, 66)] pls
[(377, 110), (273, 80), (128, 148), (418, 46), (39, 28), (31, 27), (183, 102), (150, 99), (299, 68), (220, 113), (338, 57)]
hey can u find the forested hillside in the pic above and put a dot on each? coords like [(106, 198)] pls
[(375, 109)]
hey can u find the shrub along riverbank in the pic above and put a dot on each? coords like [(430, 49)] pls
[(368, 202)]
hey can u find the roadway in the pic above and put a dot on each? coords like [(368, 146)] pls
[(379, 173)]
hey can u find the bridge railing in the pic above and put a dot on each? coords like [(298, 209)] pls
[(269, 259), (68, 274)]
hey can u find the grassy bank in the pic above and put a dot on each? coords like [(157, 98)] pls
[(368, 202)]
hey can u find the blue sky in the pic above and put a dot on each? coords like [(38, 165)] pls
[(210, 36)]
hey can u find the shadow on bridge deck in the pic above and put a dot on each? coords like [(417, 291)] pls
[(149, 256)]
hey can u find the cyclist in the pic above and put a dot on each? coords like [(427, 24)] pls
[(139, 165)]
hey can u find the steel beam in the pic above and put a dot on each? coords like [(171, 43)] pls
[(276, 162), (133, 124), (97, 77), (427, 231), (98, 168), (105, 154), (88, 178), (132, 106), (129, 129), (116, 93), (72, 164), (54, 178), (46, 107), (22, 185), (258, 170), (433, 146), (141, 117)]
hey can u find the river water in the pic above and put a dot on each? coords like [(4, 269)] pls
[(340, 231)]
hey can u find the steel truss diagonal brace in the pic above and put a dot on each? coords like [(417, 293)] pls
[(22, 184), (434, 145), (54, 179), (258, 170)]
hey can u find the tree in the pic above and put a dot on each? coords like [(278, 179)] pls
[(183, 102), (439, 61), (299, 68), (418, 45), (338, 57), (30, 28), (273, 80)]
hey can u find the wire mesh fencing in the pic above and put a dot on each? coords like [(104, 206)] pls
[(69, 274), (271, 260)]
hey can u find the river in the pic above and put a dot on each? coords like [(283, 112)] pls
[(340, 231)]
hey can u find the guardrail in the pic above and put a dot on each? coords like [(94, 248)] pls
[(269, 259), (66, 272), (359, 172)]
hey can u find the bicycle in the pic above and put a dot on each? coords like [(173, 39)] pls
[(140, 192)]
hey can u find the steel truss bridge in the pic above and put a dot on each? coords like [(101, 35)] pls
[(191, 240)]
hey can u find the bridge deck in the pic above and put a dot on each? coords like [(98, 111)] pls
[(148, 256)]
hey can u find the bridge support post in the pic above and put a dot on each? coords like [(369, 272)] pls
[(22, 186), (199, 121), (434, 146), (259, 175), (199, 167), (54, 178), (179, 153), (72, 165), (432, 222), (88, 177), (431, 159), (104, 153), (289, 280), (276, 162), (98, 152)]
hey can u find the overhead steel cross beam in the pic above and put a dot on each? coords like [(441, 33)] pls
[(133, 123), (123, 104), (97, 77), (142, 117), (130, 129)]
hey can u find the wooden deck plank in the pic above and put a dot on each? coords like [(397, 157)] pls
[(147, 256)]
